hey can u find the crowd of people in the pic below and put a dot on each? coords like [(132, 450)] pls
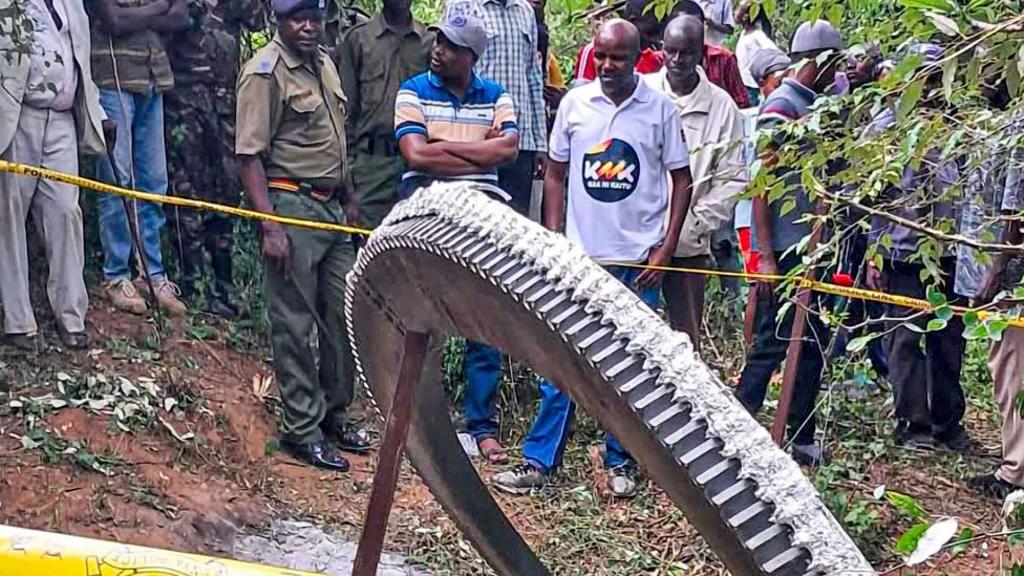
[(643, 156)]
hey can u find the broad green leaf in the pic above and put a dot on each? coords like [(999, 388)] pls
[(938, 5), (909, 98), (936, 324), (858, 343), (935, 297), (908, 541), (976, 332), (788, 206), (906, 504), (971, 319), (944, 23), (944, 313), (996, 328)]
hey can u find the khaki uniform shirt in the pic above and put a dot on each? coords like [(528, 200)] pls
[(292, 115), (374, 60)]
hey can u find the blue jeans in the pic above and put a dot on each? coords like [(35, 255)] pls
[(545, 444), (483, 374), (140, 145)]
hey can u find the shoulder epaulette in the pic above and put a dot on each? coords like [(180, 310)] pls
[(264, 61)]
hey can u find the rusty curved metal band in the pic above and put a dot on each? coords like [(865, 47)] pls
[(451, 261)]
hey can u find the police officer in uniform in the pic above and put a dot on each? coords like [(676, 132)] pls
[(290, 140)]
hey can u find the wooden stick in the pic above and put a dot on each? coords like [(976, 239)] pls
[(389, 459), (796, 341)]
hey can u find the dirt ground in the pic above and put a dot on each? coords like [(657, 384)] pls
[(201, 464)]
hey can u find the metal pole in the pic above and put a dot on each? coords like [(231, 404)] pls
[(389, 458)]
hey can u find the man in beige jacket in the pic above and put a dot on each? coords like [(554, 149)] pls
[(713, 128), (48, 107)]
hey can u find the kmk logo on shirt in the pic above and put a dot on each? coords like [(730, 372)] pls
[(611, 171)]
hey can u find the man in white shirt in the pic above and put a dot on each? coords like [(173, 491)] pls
[(48, 106), (718, 18), (615, 139), (714, 132), (752, 39)]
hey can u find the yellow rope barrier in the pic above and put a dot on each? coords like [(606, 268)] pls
[(823, 287)]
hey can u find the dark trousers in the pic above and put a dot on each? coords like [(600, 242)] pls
[(855, 249), (516, 179), (925, 368), (684, 297), (483, 362), (771, 340)]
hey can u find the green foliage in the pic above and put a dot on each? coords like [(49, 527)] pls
[(908, 541), (56, 449), (905, 504)]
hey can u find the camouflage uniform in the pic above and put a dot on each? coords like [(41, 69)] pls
[(200, 115)]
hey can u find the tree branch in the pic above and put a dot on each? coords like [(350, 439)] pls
[(1014, 249)]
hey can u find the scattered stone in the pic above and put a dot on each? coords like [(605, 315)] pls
[(302, 546)]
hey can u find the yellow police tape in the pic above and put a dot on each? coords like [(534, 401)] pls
[(32, 553), (823, 287)]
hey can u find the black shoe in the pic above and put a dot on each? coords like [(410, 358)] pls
[(914, 440), (218, 307), (347, 438), (992, 486), (73, 340), (316, 454), (958, 441), (812, 454), (32, 343)]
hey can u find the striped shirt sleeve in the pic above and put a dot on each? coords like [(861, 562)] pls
[(409, 117), (505, 115)]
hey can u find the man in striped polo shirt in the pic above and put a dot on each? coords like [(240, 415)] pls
[(450, 123)]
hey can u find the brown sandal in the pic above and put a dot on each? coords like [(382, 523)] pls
[(492, 450)]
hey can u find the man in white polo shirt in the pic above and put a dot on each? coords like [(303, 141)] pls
[(615, 139)]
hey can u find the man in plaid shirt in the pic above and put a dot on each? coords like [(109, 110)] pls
[(511, 59)]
